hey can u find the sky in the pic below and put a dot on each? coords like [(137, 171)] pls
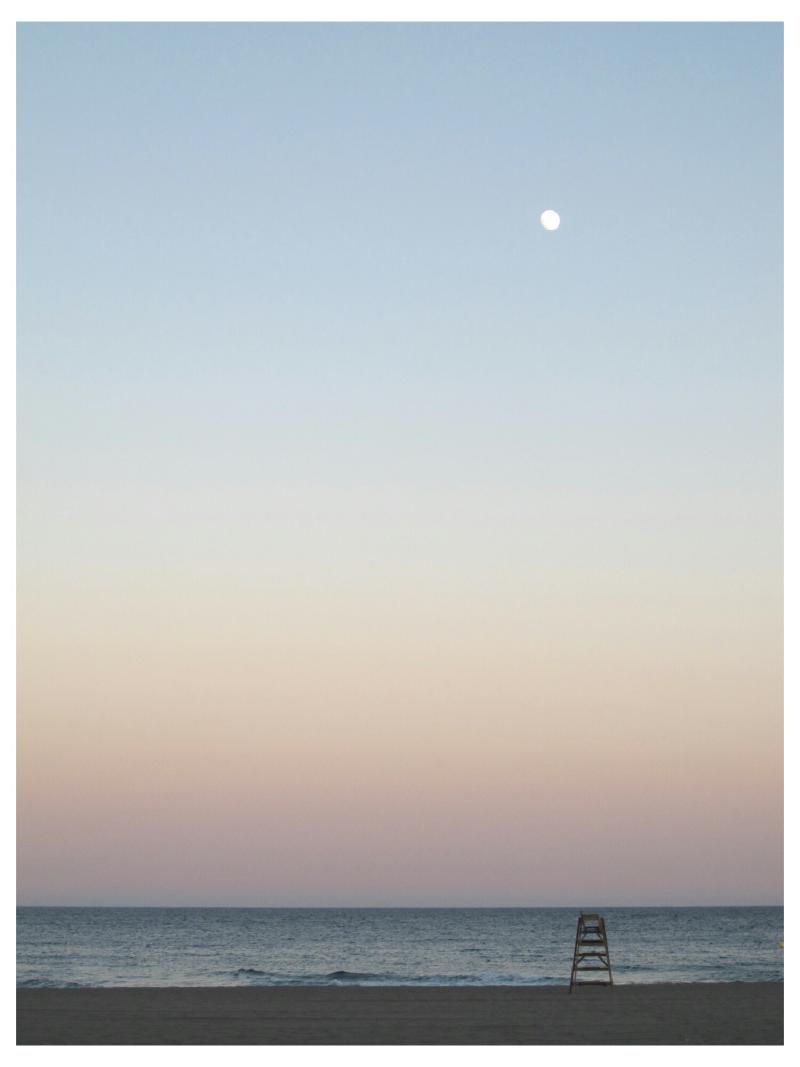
[(375, 545)]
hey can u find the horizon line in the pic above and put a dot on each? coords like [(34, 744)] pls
[(395, 907)]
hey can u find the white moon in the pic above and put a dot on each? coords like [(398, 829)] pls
[(551, 220)]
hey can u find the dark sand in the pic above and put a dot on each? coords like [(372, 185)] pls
[(725, 1014)]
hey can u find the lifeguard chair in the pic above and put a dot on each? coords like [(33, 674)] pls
[(591, 952)]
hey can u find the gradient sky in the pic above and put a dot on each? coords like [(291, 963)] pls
[(375, 545)]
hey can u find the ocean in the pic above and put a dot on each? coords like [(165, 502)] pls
[(64, 947)]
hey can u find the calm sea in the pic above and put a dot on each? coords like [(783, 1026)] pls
[(386, 946)]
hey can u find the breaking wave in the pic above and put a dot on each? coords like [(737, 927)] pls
[(255, 976), (47, 983)]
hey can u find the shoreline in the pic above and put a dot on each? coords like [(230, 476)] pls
[(729, 1013)]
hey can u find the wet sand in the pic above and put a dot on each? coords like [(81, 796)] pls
[(720, 1014)]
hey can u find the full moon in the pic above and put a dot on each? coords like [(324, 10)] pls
[(551, 220)]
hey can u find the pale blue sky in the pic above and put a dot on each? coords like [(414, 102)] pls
[(317, 247)]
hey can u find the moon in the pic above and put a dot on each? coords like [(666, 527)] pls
[(551, 220)]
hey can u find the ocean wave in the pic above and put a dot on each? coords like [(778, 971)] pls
[(255, 976), (47, 983)]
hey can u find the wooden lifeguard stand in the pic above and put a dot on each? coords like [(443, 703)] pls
[(591, 952)]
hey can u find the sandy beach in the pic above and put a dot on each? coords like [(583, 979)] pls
[(712, 1014)]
